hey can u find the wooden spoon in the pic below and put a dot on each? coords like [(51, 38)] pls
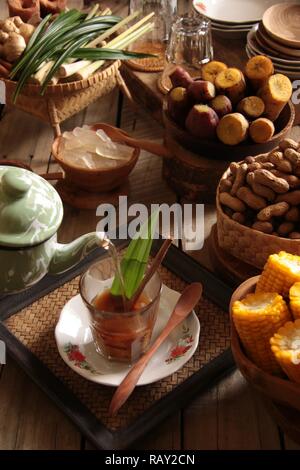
[(185, 304), (117, 134)]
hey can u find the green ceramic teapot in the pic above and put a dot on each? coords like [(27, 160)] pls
[(31, 212)]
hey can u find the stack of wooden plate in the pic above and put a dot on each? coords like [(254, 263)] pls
[(233, 18), (278, 36)]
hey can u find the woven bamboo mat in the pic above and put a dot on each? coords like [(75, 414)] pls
[(34, 328)]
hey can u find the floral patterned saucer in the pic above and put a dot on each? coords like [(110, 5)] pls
[(76, 347)]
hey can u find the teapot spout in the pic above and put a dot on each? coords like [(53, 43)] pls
[(67, 256)]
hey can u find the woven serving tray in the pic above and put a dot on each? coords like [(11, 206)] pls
[(29, 334)]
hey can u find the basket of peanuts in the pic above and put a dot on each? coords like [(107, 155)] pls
[(265, 331), (258, 205)]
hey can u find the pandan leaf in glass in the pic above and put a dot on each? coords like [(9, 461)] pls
[(135, 260)]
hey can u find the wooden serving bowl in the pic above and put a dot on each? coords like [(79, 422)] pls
[(96, 181), (217, 150), (279, 390)]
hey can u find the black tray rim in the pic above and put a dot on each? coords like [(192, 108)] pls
[(96, 432)]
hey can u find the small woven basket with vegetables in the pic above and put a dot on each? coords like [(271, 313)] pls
[(69, 61)]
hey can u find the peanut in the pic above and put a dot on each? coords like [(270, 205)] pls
[(285, 228), (265, 227), (250, 160), (225, 185), (259, 189), (232, 202), (292, 180), (288, 144), (233, 168), (263, 157), (276, 157), (285, 166), (239, 217), (294, 235), (274, 210), (292, 198), (228, 211), (254, 166), (239, 178), (293, 156), (267, 165), (251, 199), (293, 215), (265, 177)]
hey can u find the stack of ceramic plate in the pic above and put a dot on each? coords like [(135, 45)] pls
[(278, 37), (233, 18)]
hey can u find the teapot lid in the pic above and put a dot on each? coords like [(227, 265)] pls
[(30, 208)]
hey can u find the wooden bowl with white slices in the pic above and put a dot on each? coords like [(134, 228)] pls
[(96, 180)]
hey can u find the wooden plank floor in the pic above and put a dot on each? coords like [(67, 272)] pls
[(228, 416)]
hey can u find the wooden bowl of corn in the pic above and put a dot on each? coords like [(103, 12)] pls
[(265, 330)]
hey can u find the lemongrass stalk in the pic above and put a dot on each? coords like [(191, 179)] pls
[(93, 12), (41, 73), (66, 70), (88, 70), (106, 11), (122, 23)]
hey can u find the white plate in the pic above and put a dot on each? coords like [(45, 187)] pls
[(234, 11), (75, 345)]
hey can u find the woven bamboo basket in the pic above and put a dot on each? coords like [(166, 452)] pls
[(62, 101), (245, 243), (280, 390)]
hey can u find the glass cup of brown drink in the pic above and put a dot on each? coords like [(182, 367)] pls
[(119, 335)]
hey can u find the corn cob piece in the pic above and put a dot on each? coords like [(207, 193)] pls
[(295, 300), (256, 318), (285, 345), (280, 273)]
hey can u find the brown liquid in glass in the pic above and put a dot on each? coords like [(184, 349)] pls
[(105, 302)]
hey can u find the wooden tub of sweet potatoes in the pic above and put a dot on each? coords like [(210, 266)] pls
[(258, 202), (225, 115)]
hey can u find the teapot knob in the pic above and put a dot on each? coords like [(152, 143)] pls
[(14, 185)]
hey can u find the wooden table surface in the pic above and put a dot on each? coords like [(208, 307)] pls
[(228, 416)]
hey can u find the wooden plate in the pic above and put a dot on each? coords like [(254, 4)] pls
[(289, 51), (272, 53), (255, 48), (282, 22)]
